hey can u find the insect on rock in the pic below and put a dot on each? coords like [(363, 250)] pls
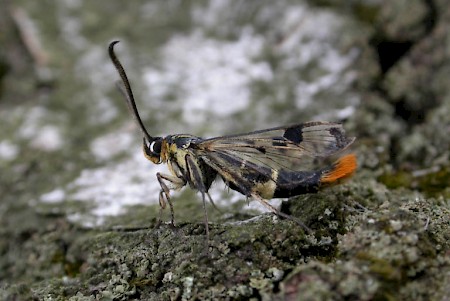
[(264, 164)]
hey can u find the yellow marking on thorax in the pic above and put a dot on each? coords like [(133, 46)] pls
[(175, 158)]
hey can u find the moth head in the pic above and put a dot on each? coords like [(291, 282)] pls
[(153, 149)]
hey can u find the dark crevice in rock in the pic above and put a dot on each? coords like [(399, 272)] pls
[(390, 52), (414, 115)]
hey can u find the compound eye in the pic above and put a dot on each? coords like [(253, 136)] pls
[(155, 146)]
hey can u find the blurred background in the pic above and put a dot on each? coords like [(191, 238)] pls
[(71, 153)]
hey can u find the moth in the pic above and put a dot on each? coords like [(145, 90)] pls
[(272, 163)]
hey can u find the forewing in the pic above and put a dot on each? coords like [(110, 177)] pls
[(291, 147)]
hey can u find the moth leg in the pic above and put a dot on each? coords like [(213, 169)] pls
[(206, 216), (274, 210), (212, 202), (196, 177), (164, 194)]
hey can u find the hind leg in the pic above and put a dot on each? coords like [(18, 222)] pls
[(275, 211)]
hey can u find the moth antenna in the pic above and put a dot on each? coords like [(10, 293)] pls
[(127, 91)]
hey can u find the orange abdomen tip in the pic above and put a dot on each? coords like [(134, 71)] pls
[(341, 169)]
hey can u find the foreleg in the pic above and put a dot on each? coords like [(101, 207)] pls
[(164, 194)]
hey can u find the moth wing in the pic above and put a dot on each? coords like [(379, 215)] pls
[(296, 147)]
